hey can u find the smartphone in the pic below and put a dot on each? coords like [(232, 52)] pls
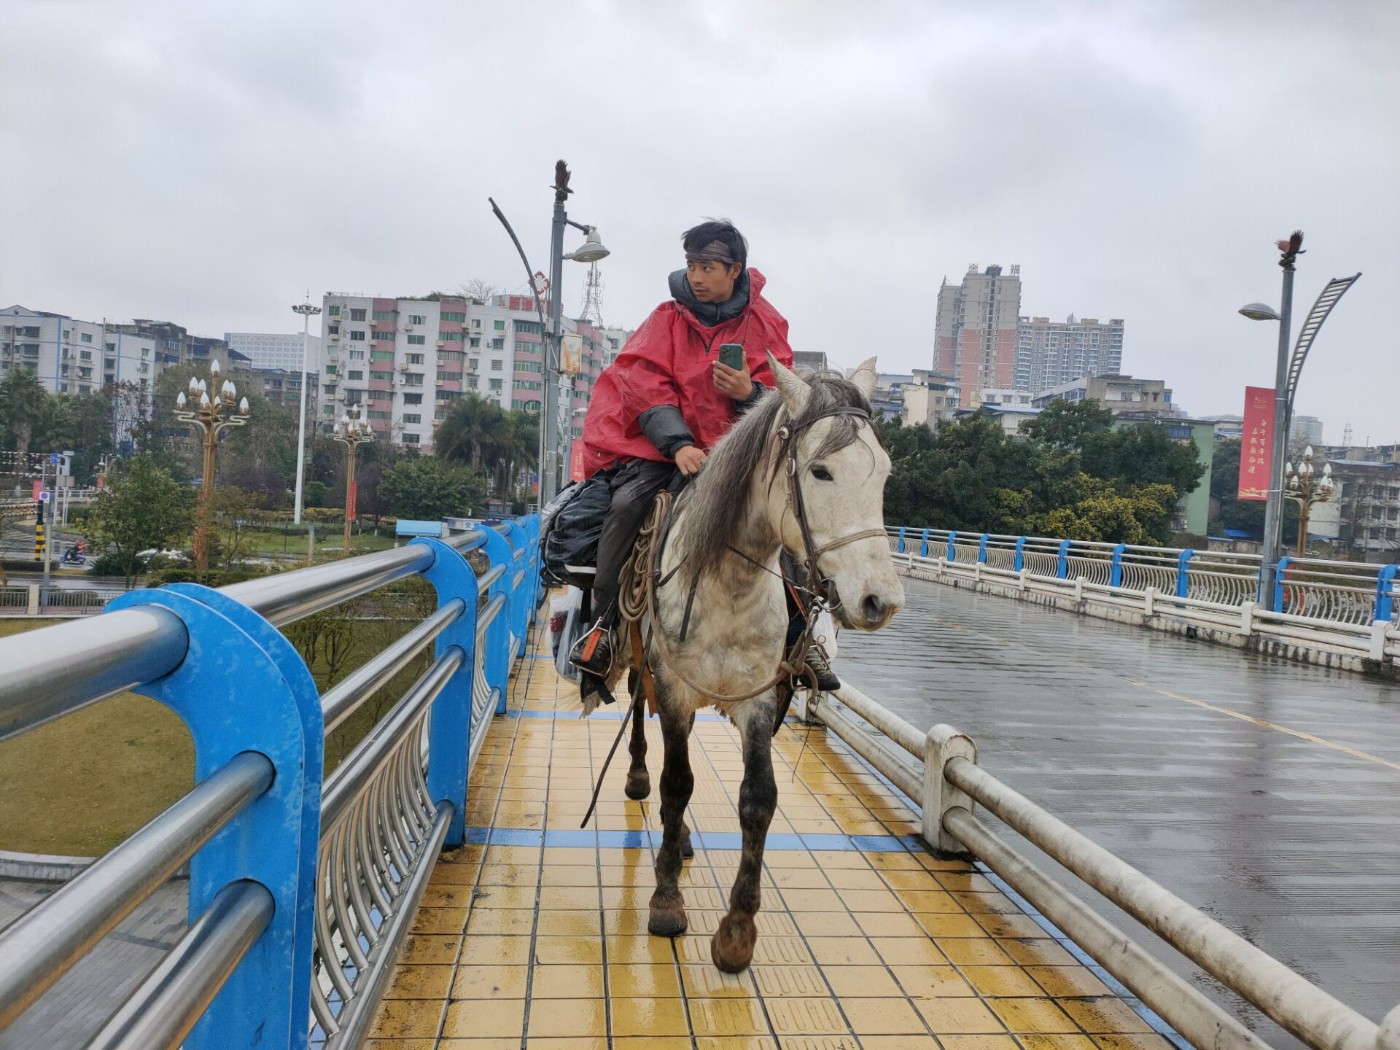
[(732, 354)]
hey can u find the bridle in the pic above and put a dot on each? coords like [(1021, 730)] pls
[(787, 450)]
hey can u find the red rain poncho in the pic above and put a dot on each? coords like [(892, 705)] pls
[(668, 362)]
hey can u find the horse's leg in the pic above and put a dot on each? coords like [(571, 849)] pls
[(687, 850), (638, 780), (731, 947), (667, 912)]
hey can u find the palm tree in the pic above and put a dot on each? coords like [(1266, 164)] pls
[(23, 400)]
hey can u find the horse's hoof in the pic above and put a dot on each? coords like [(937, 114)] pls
[(667, 916), (638, 785), (687, 850), (731, 948)]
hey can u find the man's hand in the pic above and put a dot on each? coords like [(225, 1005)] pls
[(737, 384), (690, 459)]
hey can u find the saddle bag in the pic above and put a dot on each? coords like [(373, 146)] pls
[(572, 523)]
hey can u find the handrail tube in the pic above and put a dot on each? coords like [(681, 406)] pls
[(84, 661), (353, 775), (1184, 1006), (43, 943), (883, 719), (170, 1001), (342, 700), (902, 775), (490, 576), (361, 1008), (1296, 1004), (291, 596)]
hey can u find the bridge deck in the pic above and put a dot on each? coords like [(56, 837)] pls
[(536, 930)]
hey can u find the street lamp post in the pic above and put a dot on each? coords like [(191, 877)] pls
[(212, 416), (352, 432), (1306, 487), (591, 251), (307, 311), (1286, 375)]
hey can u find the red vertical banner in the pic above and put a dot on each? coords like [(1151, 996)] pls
[(576, 461), (350, 498), (1257, 443)]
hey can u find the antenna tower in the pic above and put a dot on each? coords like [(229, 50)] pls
[(593, 297), (1346, 436)]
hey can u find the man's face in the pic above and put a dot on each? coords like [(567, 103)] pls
[(712, 282)]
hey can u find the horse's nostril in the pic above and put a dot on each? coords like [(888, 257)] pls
[(872, 608)]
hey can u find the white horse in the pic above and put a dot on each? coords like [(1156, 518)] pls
[(803, 470)]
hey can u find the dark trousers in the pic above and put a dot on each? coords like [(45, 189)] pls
[(634, 486)]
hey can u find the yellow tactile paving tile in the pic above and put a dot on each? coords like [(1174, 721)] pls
[(534, 933)]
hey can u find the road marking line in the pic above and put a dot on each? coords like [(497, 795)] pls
[(1367, 756)]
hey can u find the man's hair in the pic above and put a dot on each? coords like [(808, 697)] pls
[(697, 238)]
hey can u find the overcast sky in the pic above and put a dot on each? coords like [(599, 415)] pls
[(209, 163)]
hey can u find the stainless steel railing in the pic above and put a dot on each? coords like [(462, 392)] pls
[(325, 876), (939, 773)]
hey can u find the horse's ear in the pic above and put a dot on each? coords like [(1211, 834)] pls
[(791, 388), (865, 377)]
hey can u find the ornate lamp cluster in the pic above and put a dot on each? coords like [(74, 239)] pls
[(352, 432), (212, 416), (1306, 487)]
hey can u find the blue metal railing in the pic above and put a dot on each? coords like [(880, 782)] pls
[(300, 891), (1344, 592)]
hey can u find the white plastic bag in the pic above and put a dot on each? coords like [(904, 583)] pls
[(565, 625)]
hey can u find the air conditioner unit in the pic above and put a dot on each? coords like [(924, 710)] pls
[(442, 342), (403, 367), (408, 327)]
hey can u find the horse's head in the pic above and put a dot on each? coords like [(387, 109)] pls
[(831, 484)]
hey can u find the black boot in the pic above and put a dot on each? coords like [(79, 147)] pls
[(593, 651), (818, 664)]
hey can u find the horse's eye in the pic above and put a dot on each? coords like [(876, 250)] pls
[(821, 473)]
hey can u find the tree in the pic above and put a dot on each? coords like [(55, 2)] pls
[(1104, 514), (428, 488), (22, 404), (1068, 424), (141, 508), (1229, 511), (478, 289), (480, 433)]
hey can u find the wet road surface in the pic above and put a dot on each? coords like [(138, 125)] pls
[(1264, 792)]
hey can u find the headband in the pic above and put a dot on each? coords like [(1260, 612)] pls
[(715, 251)]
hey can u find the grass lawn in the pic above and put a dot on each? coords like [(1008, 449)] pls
[(81, 784)]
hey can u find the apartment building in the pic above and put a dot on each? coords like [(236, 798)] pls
[(1117, 393), (976, 330), (409, 360), (1053, 353)]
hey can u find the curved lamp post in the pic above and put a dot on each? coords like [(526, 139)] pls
[(212, 416), (352, 432), (1306, 487), (1285, 387), (591, 251)]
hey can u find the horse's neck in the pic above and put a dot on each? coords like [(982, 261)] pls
[(754, 558)]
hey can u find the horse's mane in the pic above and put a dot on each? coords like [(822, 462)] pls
[(717, 505)]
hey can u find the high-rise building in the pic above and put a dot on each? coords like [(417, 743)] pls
[(976, 325), (1052, 353), (278, 350)]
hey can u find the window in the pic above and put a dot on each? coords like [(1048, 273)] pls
[(448, 376), (413, 379), (417, 340), (381, 355), (498, 344), (86, 337), (376, 414), (412, 417), (417, 319), (450, 337), (529, 327), (499, 326), (332, 329), (413, 399), (471, 383), (357, 336), (453, 315), (496, 366), (528, 366), (381, 375), (330, 370), (476, 324), (357, 355), (410, 439), (333, 311), (476, 340), (496, 385), (384, 315), (414, 359), (357, 315), (447, 395), (354, 375)]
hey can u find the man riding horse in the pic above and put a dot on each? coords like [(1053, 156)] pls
[(658, 410)]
